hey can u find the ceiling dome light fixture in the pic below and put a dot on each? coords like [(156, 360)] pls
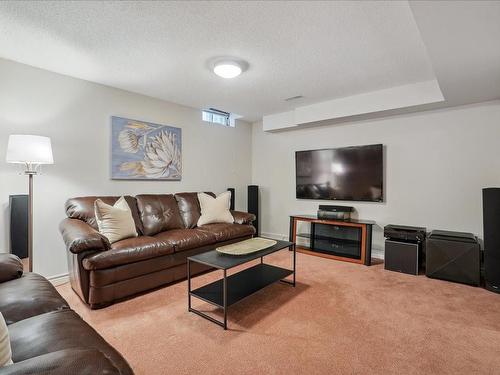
[(228, 69)]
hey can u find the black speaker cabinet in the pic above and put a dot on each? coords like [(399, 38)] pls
[(491, 232), (253, 205), (402, 256), (453, 256), (19, 225), (231, 207)]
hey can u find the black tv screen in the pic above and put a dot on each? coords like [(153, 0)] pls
[(349, 173)]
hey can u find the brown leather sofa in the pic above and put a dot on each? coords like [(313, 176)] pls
[(46, 336), (101, 273)]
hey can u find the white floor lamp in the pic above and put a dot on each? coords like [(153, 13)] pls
[(32, 151)]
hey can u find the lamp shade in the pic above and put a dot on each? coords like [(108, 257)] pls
[(32, 149)]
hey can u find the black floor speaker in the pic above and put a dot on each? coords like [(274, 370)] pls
[(253, 205), (491, 232), (231, 207), (19, 225)]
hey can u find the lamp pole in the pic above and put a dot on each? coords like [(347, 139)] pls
[(30, 174), (31, 170)]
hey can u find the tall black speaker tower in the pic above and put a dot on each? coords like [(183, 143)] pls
[(231, 207), (19, 225), (253, 205), (491, 229)]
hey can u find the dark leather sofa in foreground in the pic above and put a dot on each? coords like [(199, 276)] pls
[(47, 337), (101, 273)]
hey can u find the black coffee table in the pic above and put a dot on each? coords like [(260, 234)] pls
[(231, 289)]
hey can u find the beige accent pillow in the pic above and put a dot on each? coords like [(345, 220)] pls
[(115, 222), (215, 210), (5, 352)]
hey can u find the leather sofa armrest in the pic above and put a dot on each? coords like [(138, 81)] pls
[(79, 236), (243, 217), (11, 267)]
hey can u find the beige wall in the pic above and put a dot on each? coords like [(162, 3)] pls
[(76, 115), (436, 161), (436, 164)]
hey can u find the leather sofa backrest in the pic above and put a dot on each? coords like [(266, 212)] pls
[(82, 208), (158, 213), (189, 207)]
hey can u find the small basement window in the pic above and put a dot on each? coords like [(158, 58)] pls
[(216, 116)]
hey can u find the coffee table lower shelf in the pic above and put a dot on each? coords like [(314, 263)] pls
[(241, 284), (238, 286)]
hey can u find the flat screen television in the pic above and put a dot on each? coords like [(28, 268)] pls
[(348, 174)]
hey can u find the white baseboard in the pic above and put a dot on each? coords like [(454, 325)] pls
[(275, 236), (376, 253), (59, 279)]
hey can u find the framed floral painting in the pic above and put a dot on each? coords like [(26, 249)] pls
[(145, 151)]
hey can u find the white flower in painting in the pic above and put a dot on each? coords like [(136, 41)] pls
[(129, 141), (162, 157)]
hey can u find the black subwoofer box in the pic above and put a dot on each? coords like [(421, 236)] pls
[(453, 256), (402, 256)]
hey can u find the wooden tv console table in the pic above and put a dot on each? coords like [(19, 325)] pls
[(346, 240)]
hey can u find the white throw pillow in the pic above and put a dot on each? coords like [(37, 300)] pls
[(115, 222), (215, 210), (5, 352)]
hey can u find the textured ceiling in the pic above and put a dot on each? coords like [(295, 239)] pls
[(463, 41), (320, 50)]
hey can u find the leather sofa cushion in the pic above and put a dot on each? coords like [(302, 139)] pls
[(28, 296), (158, 212), (185, 239), (81, 361), (128, 251), (83, 208), (189, 207), (11, 267), (225, 232), (58, 330)]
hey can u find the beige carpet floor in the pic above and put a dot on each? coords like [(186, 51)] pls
[(340, 319)]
